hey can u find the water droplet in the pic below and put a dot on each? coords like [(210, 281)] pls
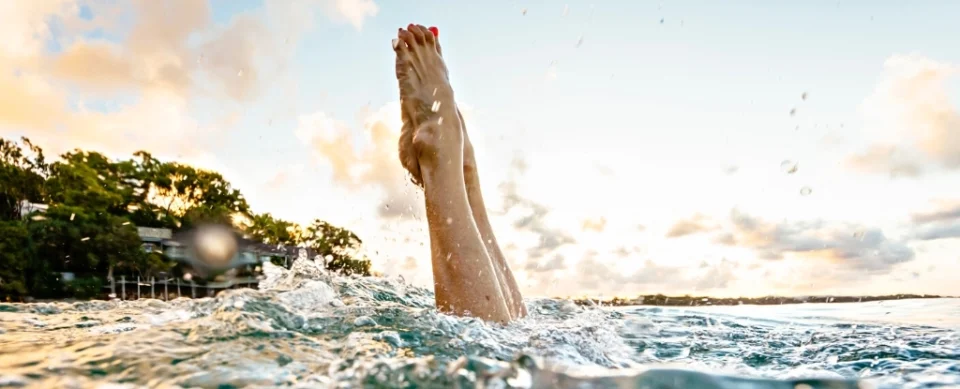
[(805, 191), (788, 166), (188, 276), (793, 111), (803, 96), (240, 73), (449, 220), (579, 41), (72, 215), (38, 218), (440, 120), (661, 20), (436, 106), (434, 91), (125, 224), (524, 12), (84, 239)]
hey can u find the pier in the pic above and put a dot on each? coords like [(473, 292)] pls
[(171, 288)]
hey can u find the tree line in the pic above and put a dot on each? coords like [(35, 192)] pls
[(95, 204)]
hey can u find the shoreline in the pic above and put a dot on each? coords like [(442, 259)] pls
[(659, 300)]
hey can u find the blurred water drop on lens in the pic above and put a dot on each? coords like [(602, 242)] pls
[(805, 191), (215, 245), (788, 166), (803, 96), (524, 12), (793, 111)]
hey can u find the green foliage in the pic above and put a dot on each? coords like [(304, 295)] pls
[(338, 246), (14, 258), (84, 288), (95, 204), (21, 177)]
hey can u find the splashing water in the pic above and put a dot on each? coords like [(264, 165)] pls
[(306, 328)]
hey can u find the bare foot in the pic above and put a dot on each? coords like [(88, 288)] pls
[(409, 157), (466, 280), (425, 96)]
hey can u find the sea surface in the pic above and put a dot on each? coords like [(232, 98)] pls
[(307, 329)]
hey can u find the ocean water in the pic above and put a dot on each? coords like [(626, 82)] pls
[(307, 329)]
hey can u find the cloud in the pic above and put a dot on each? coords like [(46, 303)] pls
[(847, 245), (884, 159), (911, 110), (945, 211), (594, 224), (535, 265), (371, 164), (595, 275), (352, 11), (943, 222), (141, 77), (533, 216), (696, 224), (131, 60)]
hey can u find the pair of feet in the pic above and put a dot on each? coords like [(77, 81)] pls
[(471, 276), (424, 88)]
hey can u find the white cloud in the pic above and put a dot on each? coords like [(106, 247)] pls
[(912, 120), (354, 11)]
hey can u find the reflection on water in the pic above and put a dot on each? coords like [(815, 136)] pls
[(305, 328)]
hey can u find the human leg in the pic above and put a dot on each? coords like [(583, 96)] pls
[(465, 277)]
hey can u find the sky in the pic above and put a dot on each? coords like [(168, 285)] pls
[(733, 149)]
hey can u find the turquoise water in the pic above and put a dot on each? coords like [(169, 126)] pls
[(307, 329)]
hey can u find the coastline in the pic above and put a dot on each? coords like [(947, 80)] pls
[(695, 301)]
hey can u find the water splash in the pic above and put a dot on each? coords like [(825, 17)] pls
[(306, 327)]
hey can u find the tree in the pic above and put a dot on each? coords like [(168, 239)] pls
[(264, 228), (94, 204), (339, 247), (14, 259), (21, 177), (192, 195)]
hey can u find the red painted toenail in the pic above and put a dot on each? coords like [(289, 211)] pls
[(435, 31)]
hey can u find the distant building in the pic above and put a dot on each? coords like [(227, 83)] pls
[(26, 208), (249, 253), (154, 239)]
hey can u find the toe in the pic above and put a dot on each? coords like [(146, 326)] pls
[(399, 45), (428, 36), (417, 33), (436, 39), (407, 37)]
